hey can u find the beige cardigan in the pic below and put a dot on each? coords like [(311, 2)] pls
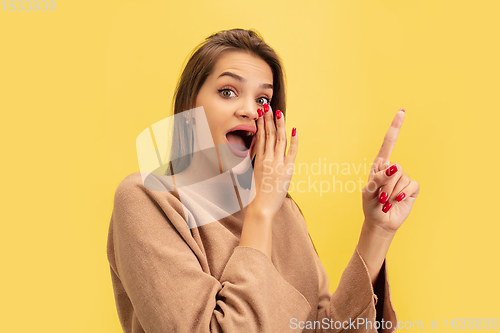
[(168, 277)]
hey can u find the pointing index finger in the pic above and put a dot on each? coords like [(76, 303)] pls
[(391, 137)]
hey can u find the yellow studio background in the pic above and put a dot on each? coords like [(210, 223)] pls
[(79, 83)]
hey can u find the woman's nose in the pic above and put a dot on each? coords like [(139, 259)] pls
[(249, 111)]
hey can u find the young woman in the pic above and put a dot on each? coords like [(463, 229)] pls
[(183, 259)]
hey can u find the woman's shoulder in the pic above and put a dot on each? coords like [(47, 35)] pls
[(140, 182), (140, 186), (149, 195), (131, 180)]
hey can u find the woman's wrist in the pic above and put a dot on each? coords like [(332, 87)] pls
[(258, 213), (373, 245), (257, 231), (376, 230)]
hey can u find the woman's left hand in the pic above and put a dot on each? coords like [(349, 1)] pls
[(389, 193)]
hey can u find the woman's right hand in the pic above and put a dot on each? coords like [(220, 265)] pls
[(272, 169)]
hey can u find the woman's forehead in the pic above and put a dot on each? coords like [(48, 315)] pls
[(248, 67)]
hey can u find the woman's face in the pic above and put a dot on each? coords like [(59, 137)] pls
[(239, 85)]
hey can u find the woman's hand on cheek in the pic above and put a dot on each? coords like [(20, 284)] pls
[(272, 169), (389, 193)]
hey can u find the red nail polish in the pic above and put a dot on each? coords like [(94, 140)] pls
[(259, 111), (392, 170), (400, 197), (266, 107), (386, 207), (383, 197), (402, 110), (294, 131), (278, 114)]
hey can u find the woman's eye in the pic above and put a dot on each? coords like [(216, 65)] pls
[(226, 92), (265, 100)]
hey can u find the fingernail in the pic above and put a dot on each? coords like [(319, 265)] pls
[(259, 111), (278, 114), (383, 197), (266, 107), (400, 197), (392, 170), (402, 110), (294, 131), (386, 207)]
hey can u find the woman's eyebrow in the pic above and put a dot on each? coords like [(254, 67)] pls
[(242, 79)]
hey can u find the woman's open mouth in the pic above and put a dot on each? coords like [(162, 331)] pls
[(240, 142)]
